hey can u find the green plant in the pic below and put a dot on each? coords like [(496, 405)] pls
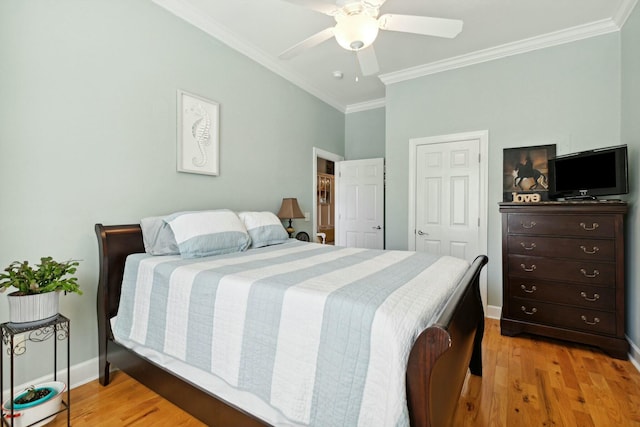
[(32, 394), (48, 276)]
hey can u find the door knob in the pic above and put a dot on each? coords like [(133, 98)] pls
[(422, 233), (377, 228)]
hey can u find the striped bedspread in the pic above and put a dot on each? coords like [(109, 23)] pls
[(320, 333)]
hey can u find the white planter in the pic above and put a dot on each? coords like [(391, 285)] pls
[(43, 411), (31, 308)]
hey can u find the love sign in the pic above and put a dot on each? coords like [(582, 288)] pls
[(526, 198)]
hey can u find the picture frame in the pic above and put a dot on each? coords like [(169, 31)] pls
[(526, 171), (198, 127)]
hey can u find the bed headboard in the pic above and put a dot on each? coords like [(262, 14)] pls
[(115, 243)]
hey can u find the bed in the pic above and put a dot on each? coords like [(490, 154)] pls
[(437, 364)]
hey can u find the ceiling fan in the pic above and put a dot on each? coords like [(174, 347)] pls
[(357, 25)]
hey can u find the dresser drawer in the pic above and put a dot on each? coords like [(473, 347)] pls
[(561, 225), (587, 272), (577, 248), (592, 297), (562, 316)]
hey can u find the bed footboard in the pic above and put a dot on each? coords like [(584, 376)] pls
[(440, 357)]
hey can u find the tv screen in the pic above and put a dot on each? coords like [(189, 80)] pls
[(589, 174)]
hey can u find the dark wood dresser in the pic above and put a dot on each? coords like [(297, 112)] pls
[(563, 272)]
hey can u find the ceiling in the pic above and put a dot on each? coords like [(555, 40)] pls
[(262, 29)]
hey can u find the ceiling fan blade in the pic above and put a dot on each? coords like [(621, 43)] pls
[(368, 61), (426, 25), (312, 41), (317, 5)]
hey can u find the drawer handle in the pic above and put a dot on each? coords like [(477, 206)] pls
[(529, 291), (528, 270), (591, 252), (533, 311), (531, 224), (595, 296), (595, 320), (528, 248), (593, 227), (590, 276)]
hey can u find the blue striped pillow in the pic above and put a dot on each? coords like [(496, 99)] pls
[(205, 233), (265, 228)]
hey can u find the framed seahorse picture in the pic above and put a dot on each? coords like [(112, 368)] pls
[(198, 125)]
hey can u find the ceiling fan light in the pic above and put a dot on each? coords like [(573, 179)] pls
[(355, 32)]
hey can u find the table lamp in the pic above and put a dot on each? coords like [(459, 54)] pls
[(290, 210)]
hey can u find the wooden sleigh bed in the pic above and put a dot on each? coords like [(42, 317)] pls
[(437, 365)]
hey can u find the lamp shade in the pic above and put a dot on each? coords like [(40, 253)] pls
[(290, 209), (355, 32)]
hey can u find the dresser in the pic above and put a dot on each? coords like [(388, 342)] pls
[(563, 272)]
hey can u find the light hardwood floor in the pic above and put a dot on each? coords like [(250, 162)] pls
[(527, 382)]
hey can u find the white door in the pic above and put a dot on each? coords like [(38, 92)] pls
[(447, 198), (360, 203), (448, 185)]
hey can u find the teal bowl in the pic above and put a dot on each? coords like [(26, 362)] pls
[(17, 406)]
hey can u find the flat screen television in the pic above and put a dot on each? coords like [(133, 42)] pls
[(589, 174)]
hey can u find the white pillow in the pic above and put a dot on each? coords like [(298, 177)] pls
[(265, 228), (204, 233)]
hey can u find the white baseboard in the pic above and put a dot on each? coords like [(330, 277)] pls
[(81, 374), (493, 312), (634, 354)]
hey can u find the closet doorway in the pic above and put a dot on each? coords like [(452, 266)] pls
[(324, 195)]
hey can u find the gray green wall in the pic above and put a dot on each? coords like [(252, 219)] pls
[(630, 134), (365, 134), (88, 133), (88, 123), (566, 95)]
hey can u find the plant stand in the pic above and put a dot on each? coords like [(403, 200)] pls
[(57, 327)]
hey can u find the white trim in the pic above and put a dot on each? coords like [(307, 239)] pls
[(634, 354), (201, 20), (624, 11), (81, 373), (556, 38), (483, 137), (319, 153), (367, 105), (493, 312), (196, 17)]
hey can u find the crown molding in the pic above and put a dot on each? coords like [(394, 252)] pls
[(199, 19), (367, 105), (556, 38), (624, 11), (196, 17)]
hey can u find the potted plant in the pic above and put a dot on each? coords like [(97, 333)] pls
[(37, 297)]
